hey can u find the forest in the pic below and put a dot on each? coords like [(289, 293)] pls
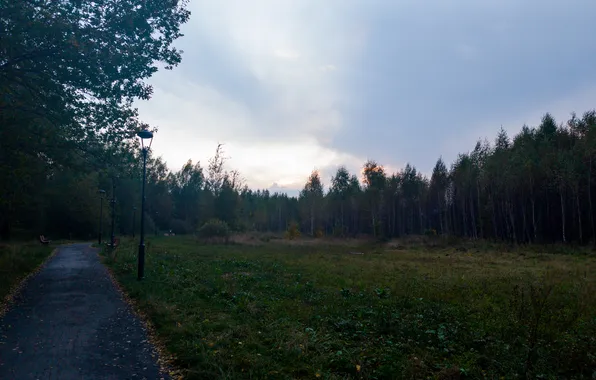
[(534, 188)]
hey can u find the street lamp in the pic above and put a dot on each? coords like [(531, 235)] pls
[(113, 202), (144, 135), (101, 194), (134, 217)]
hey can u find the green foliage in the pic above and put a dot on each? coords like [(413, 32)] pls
[(71, 67), (68, 79), (301, 310), (215, 230), (17, 260)]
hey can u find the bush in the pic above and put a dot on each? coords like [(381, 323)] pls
[(180, 227), (339, 231), (215, 230), (430, 232), (267, 237), (293, 231)]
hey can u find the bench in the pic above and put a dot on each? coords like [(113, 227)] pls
[(43, 240)]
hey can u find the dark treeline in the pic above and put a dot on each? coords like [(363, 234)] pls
[(536, 187), (69, 75)]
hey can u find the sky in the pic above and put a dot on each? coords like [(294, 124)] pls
[(292, 86)]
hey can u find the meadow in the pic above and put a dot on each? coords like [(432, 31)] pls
[(308, 309)]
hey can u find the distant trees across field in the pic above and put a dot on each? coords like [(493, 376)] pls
[(536, 187)]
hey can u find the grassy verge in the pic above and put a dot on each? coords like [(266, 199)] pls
[(17, 260), (338, 311)]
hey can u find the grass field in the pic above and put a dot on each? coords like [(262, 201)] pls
[(306, 310), (17, 260)]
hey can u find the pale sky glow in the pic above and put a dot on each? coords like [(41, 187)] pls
[(292, 86)]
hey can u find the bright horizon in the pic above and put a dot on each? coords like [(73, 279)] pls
[(293, 86)]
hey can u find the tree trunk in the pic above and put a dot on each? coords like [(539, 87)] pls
[(312, 220), (562, 216), (473, 219), (526, 233), (505, 217), (512, 218), (478, 209), (343, 228), (420, 217), (440, 213), (548, 232), (494, 217), (464, 218), (279, 218), (590, 202), (394, 226), (579, 217), (534, 218)]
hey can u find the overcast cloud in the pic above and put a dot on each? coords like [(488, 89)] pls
[(292, 86)]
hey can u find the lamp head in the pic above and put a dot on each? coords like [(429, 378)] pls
[(145, 135)]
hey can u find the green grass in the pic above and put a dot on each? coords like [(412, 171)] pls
[(301, 310), (17, 260)]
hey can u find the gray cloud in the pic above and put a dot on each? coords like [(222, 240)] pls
[(431, 73), (397, 82)]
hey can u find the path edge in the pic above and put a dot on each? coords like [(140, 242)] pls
[(165, 359), (9, 300)]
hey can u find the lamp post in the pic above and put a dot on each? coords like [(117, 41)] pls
[(134, 217), (144, 135), (113, 202), (101, 194)]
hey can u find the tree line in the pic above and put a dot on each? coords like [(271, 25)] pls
[(534, 188)]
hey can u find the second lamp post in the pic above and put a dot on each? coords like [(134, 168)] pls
[(144, 135)]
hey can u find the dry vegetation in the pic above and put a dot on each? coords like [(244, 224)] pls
[(17, 260)]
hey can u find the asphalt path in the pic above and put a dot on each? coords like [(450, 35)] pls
[(70, 322)]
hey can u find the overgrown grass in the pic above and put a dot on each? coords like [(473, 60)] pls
[(17, 260), (313, 310)]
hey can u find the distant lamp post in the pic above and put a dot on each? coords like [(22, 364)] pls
[(101, 194), (144, 135), (134, 218), (113, 202)]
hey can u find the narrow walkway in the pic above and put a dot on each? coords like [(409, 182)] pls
[(70, 322)]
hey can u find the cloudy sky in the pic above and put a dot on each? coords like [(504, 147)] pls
[(295, 85)]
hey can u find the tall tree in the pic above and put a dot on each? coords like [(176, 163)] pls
[(312, 198)]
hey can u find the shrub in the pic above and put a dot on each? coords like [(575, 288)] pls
[(339, 231), (267, 237), (293, 231), (215, 230), (180, 227), (430, 232)]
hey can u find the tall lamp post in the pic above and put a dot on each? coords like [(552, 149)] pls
[(134, 217), (101, 194), (113, 202), (144, 135)]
